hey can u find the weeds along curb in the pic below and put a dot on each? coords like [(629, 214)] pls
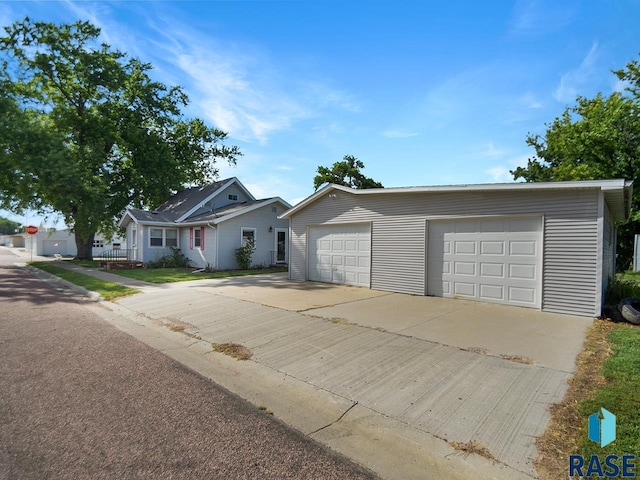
[(62, 283)]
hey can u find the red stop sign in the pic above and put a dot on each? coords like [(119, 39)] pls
[(32, 229)]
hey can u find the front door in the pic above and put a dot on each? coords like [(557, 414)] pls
[(281, 245)]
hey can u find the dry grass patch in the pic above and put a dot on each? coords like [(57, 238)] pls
[(562, 435), (517, 359), (473, 447), (341, 321), (233, 350)]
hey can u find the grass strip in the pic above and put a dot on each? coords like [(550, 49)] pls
[(168, 275), (108, 290), (607, 375), (620, 394)]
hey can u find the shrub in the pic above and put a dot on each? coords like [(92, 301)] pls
[(175, 259), (244, 254), (619, 289)]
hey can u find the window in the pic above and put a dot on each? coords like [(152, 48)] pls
[(156, 237), (248, 235), (98, 244), (233, 196), (196, 238), (163, 237), (171, 237)]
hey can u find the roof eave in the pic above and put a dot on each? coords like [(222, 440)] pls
[(612, 185)]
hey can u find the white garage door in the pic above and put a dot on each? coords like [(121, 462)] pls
[(493, 260), (340, 254)]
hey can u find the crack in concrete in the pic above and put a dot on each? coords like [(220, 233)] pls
[(335, 421)]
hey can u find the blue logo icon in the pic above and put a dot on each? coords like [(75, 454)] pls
[(602, 429)]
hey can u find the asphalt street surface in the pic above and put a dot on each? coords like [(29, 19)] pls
[(79, 399)]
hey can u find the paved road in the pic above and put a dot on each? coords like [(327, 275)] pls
[(80, 399)]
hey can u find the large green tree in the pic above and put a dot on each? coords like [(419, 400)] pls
[(597, 138), (86, 132), (9, 227), (347, 173)]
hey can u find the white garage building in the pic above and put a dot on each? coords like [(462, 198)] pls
[(549, 246)]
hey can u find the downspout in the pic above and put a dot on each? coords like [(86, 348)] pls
[(215, 256)]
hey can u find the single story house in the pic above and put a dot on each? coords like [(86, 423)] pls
[(208, 224), (548, 246), (50, 241)]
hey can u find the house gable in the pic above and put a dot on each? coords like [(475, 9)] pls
[(231, 191)]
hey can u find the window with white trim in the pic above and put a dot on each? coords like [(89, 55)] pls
[(233, 196), (196, 238), (248, 235), (156, 237), (163, 237), (98, 244), (170, 237)]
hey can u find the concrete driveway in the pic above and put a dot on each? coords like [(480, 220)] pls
[(522, 334), (406, 377)]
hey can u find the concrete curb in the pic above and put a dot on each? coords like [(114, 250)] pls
[(61, 283)]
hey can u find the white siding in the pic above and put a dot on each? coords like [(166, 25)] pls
[(399, 273), (570, 234), (608, 250), (230, 235), (199, 257)]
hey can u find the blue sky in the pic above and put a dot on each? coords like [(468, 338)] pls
[(423, 92)]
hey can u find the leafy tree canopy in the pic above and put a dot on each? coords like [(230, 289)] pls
[(598, 138), (9, 227), (347, 173), (85, 131)]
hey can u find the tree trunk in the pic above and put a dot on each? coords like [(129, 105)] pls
[(85, 246)]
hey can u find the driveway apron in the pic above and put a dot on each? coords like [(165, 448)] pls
[(455, 395)]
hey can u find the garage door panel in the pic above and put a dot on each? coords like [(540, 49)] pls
[(492, 269), (465, 268), (492, 292), (464, 247), (522, 225), (523, 295), (518, 271), (522, 248), (464, 289), (446, 267), (494, 260), (492, 247), (340, 254)]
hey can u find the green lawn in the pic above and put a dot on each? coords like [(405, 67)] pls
[(621, 392), (620, 395), (108, 290), (168, 275)]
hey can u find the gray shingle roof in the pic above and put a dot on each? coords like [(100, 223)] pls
[(187, 199)]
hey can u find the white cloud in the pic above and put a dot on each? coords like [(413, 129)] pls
[(502, 173), (240, 89), (528, 100), (572, 82), (399, 134), (539, 17), (499, 174)]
